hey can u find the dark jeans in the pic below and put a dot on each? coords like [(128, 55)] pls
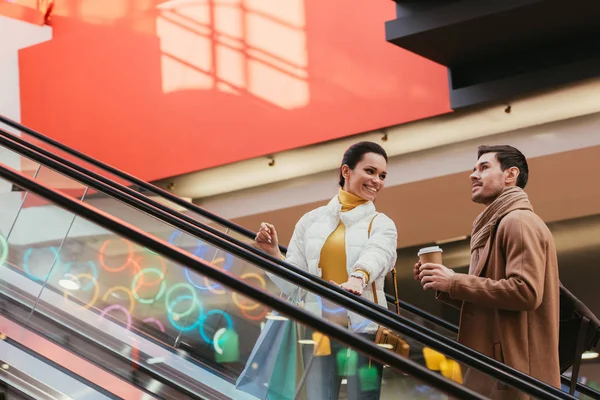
[(323, 379)]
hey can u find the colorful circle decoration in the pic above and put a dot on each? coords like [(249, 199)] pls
[(163, 267), (93, 268), (196, 321), (96, 289), (27, 270), (124, 290), (121, 267), (156, 322), (196, 251), (201, 252), (120, 308), (202, 322), (234, 295), (140, 275), (257, 317), (179, 315), (136, 281), (329, 310)]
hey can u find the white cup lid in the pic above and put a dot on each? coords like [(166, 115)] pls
[(432, 249)]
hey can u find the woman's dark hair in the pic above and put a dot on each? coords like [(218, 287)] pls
[(355, 154), (508, 157)]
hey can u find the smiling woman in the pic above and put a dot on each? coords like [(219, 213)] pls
[(348, 243), (363, 170)]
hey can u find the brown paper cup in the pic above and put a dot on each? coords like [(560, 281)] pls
[(430, 255)]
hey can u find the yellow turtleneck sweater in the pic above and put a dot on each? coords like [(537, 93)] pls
[(333, 258)]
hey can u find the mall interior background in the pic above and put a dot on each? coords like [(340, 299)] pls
[(244, 107)]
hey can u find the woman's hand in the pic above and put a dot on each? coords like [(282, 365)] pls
[(353, 285), (266, 240)]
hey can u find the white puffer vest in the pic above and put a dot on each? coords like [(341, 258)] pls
[(374, 253)]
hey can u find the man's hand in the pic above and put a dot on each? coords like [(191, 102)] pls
[(417, 271), (435, 276)]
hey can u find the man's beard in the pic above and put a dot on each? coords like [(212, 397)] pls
[(481, 198)]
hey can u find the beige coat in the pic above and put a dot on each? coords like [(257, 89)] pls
[(510, 303)]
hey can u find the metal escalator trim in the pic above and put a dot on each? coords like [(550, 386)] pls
[(55, 365), (46, 347), (79, 330), (206, 391), (56, 314), (19, 379)]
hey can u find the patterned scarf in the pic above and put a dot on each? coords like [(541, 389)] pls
[(482, 225)]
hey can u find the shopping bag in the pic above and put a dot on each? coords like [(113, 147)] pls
[(278, 338), (256, 376), (289, 366)]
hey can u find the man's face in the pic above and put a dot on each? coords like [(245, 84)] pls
[(488, 180)]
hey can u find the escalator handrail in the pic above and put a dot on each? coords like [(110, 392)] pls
[(222, 221), (352, 303), (137, 181), (214, 273), (588, 391), (581, 388), (185, 204)]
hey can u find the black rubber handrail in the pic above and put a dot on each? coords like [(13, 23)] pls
[(222, 221), (176, 200), (243, 231), (124, 175), (581, 388), (302, 278), (13, 144), (214, 273), (141, 197)]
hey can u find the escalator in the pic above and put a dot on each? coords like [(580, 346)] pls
[(76, 311), (221, 242)]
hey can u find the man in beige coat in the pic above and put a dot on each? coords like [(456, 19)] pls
[(509, 300)]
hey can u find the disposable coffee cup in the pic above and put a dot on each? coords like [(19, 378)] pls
[(431, 254)]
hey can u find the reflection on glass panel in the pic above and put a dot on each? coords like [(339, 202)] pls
[(169, 319)]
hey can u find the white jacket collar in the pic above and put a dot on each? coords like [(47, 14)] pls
[(334, 208)]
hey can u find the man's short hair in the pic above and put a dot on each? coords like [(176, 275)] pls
[(508, 157)]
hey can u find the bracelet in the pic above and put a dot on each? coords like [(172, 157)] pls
[(367, 275), (361, 276)]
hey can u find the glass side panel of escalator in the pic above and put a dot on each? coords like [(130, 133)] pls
[(169, 318)]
